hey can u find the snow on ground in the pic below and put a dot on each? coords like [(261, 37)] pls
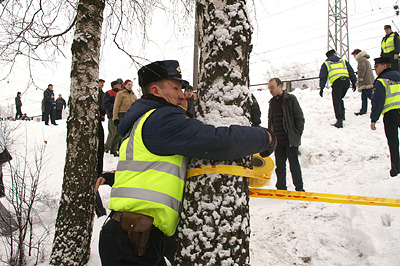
[(351, 161)]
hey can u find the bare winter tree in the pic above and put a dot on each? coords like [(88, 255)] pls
[(36, 31), (215, 226), (75, 215)]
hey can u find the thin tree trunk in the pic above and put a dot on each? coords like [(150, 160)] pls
[(75, 215), (215, 226)]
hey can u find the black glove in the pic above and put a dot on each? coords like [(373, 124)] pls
[(272, 145), (321, 92), (354, 87), (116, 122)]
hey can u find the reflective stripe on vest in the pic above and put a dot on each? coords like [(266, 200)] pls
[(388, 44), (392, 99), (147, 183), (336, 70)]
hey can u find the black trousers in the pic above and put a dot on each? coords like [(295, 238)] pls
[(58, 114), (391, 121), (282, 154), (394, 63), (116, 249), (49, 111), (100, 210), (2, 192), (339, 90), (19, 112)]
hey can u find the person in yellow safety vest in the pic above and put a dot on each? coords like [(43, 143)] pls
[(158, 137), (340, 73), (386, 101), (390, 47)]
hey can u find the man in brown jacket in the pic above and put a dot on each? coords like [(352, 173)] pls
[(365, 79)]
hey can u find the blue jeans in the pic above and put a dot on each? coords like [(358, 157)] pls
[(365, 95), (116, 249), (282, 154)]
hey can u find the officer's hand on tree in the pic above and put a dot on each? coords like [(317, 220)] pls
[(116, 122)]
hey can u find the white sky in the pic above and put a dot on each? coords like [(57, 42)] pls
[(285, 32)]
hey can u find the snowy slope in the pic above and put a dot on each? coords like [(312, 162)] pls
[(352, 161)]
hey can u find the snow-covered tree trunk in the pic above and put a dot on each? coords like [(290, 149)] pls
[(75, 215), (214, 227)]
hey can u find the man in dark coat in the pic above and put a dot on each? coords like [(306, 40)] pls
[(386, 101), (18, 105), (390, 47), (60, 105), (190, 101), (108, 104), (255, 112), (48, 101), (99, 209), (162, 135), (286, 120), (338, 71)]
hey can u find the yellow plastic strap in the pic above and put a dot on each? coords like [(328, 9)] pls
[(227, 170), (322, 197)]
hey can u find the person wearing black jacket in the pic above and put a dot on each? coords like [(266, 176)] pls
[(18, 105), (113, 138), (190, 101), (48, 101), (60, 105), (386, 102), (286, 120), (390, 47), (162, 137), (340, 73), (255, 112), (99, 209)]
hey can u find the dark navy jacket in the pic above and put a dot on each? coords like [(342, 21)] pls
[(323, 73), (47, 96), (379, 96), (108, 101), (169, 131)]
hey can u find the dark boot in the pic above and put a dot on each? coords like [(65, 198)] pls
[(339, 123)]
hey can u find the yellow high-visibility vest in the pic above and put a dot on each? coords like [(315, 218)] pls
[(392, 99), (147, 183), (336, 70), (388, 44)]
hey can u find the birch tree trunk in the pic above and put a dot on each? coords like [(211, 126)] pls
[(215, 226), (76, 211)]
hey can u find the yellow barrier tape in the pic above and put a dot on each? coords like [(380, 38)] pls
[(289, 195), (322, 197), (227, 170)]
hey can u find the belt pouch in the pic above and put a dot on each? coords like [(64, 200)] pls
[(138, 227)]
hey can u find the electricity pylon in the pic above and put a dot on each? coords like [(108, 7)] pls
[(338, 37)]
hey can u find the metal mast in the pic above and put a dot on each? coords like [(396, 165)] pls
[(338, 37)]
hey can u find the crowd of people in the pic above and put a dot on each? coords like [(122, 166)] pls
[(383, 91), (153, 136)]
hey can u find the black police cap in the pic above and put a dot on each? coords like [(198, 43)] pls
[(382, 60), (159, 70), (330, 53)]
